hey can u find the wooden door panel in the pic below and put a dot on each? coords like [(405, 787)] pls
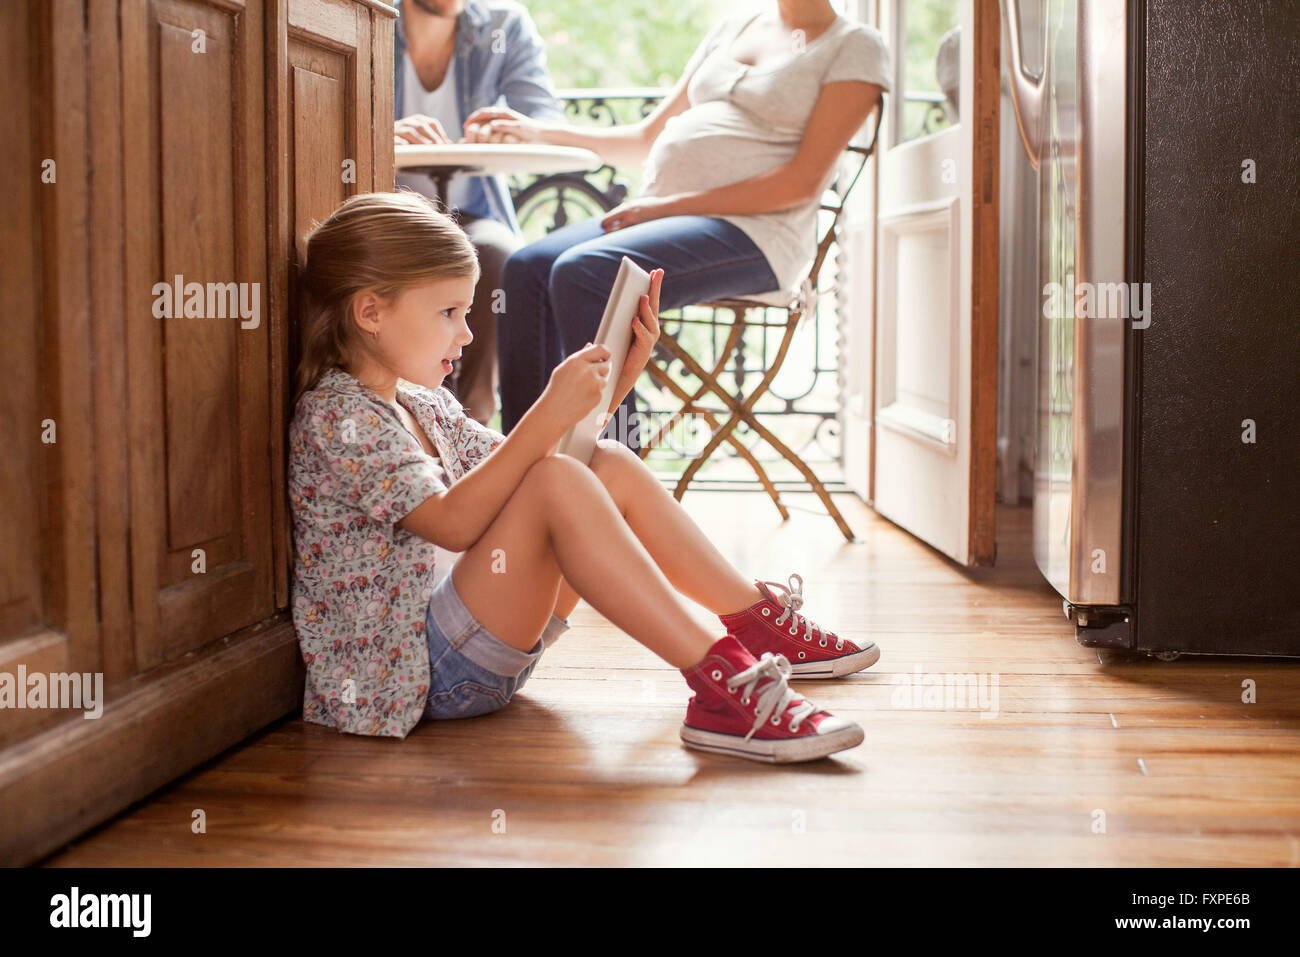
[(329, 107), (22, 468), (381, 102), (320, 138), (48, 621), (199, 356), (199, 388), (24, 541)]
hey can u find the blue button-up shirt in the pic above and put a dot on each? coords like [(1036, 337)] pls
[(499, 53)]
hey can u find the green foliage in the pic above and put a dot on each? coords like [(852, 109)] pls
[(926, 23), (604, 43)]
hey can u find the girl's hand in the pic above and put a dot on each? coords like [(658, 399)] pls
[(645, 333), (575, 386), (636, 211), (494, 124)]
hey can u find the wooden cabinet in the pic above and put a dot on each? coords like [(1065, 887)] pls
[(197, 392), (168, 156)]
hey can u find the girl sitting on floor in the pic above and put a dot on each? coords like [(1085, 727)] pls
[(384, 464)]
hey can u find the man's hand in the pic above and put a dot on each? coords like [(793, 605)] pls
[(419, 128)]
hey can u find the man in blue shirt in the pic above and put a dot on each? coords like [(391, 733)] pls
[(451, 58)]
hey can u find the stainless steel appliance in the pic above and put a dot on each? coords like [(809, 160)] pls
[(1167, 472)]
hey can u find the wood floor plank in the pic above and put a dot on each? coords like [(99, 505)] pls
[(585, 766)]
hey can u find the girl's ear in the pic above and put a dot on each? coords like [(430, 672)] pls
[(365, 312)]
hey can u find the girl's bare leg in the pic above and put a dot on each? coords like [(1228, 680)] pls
[(685, 555), (561, 521)]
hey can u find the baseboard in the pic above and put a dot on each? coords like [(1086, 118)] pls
[(160, 725)]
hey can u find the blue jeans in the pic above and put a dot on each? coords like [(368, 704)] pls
[(556, 289), (471, 670)]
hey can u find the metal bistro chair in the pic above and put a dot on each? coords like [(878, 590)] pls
[(741, 406)]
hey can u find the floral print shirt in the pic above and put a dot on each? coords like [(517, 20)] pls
[(361, 585)]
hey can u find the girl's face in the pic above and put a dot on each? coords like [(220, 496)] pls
[(423, 329)]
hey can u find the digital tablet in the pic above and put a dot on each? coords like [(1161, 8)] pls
[(615, 334)]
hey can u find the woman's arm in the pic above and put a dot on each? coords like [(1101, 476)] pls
[(626, 145), (840, 111)]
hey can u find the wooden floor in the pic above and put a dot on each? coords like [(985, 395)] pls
[(1089, 759)]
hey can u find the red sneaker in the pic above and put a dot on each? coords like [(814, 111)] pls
[(743, 706), (772, 624)]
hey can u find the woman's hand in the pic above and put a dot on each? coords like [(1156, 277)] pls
[(496, 124), (575, 386), (645, 333), (419, 128), (636, 211)]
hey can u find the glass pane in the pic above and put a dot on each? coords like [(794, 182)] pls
[(931, 66)]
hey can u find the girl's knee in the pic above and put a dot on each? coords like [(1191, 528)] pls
[(555, 471), (611, 456)]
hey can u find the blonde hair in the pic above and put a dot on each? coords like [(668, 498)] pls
[(381, 242)]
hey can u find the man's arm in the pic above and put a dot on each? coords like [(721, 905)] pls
[(525, 82)]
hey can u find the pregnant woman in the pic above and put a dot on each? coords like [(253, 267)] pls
[(737, 156)]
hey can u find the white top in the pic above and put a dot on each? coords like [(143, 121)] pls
[(441, 105), (744, 120)]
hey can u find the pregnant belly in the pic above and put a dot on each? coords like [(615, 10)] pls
[(688, 157)]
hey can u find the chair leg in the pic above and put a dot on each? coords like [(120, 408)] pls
[(742, 450), (744, 412), (688, 404), (694, 368), (809, 475), (740, 447)]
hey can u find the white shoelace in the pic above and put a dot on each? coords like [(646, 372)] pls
[(792, 599), (775, 696)]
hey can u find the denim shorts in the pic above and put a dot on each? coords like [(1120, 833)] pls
[(472, 671)]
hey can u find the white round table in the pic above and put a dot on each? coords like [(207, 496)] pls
[(443, 160)]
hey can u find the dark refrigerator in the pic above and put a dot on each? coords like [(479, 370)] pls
[(1167, 463)]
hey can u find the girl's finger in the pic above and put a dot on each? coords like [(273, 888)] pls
[(650, 319), (655, 282)]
